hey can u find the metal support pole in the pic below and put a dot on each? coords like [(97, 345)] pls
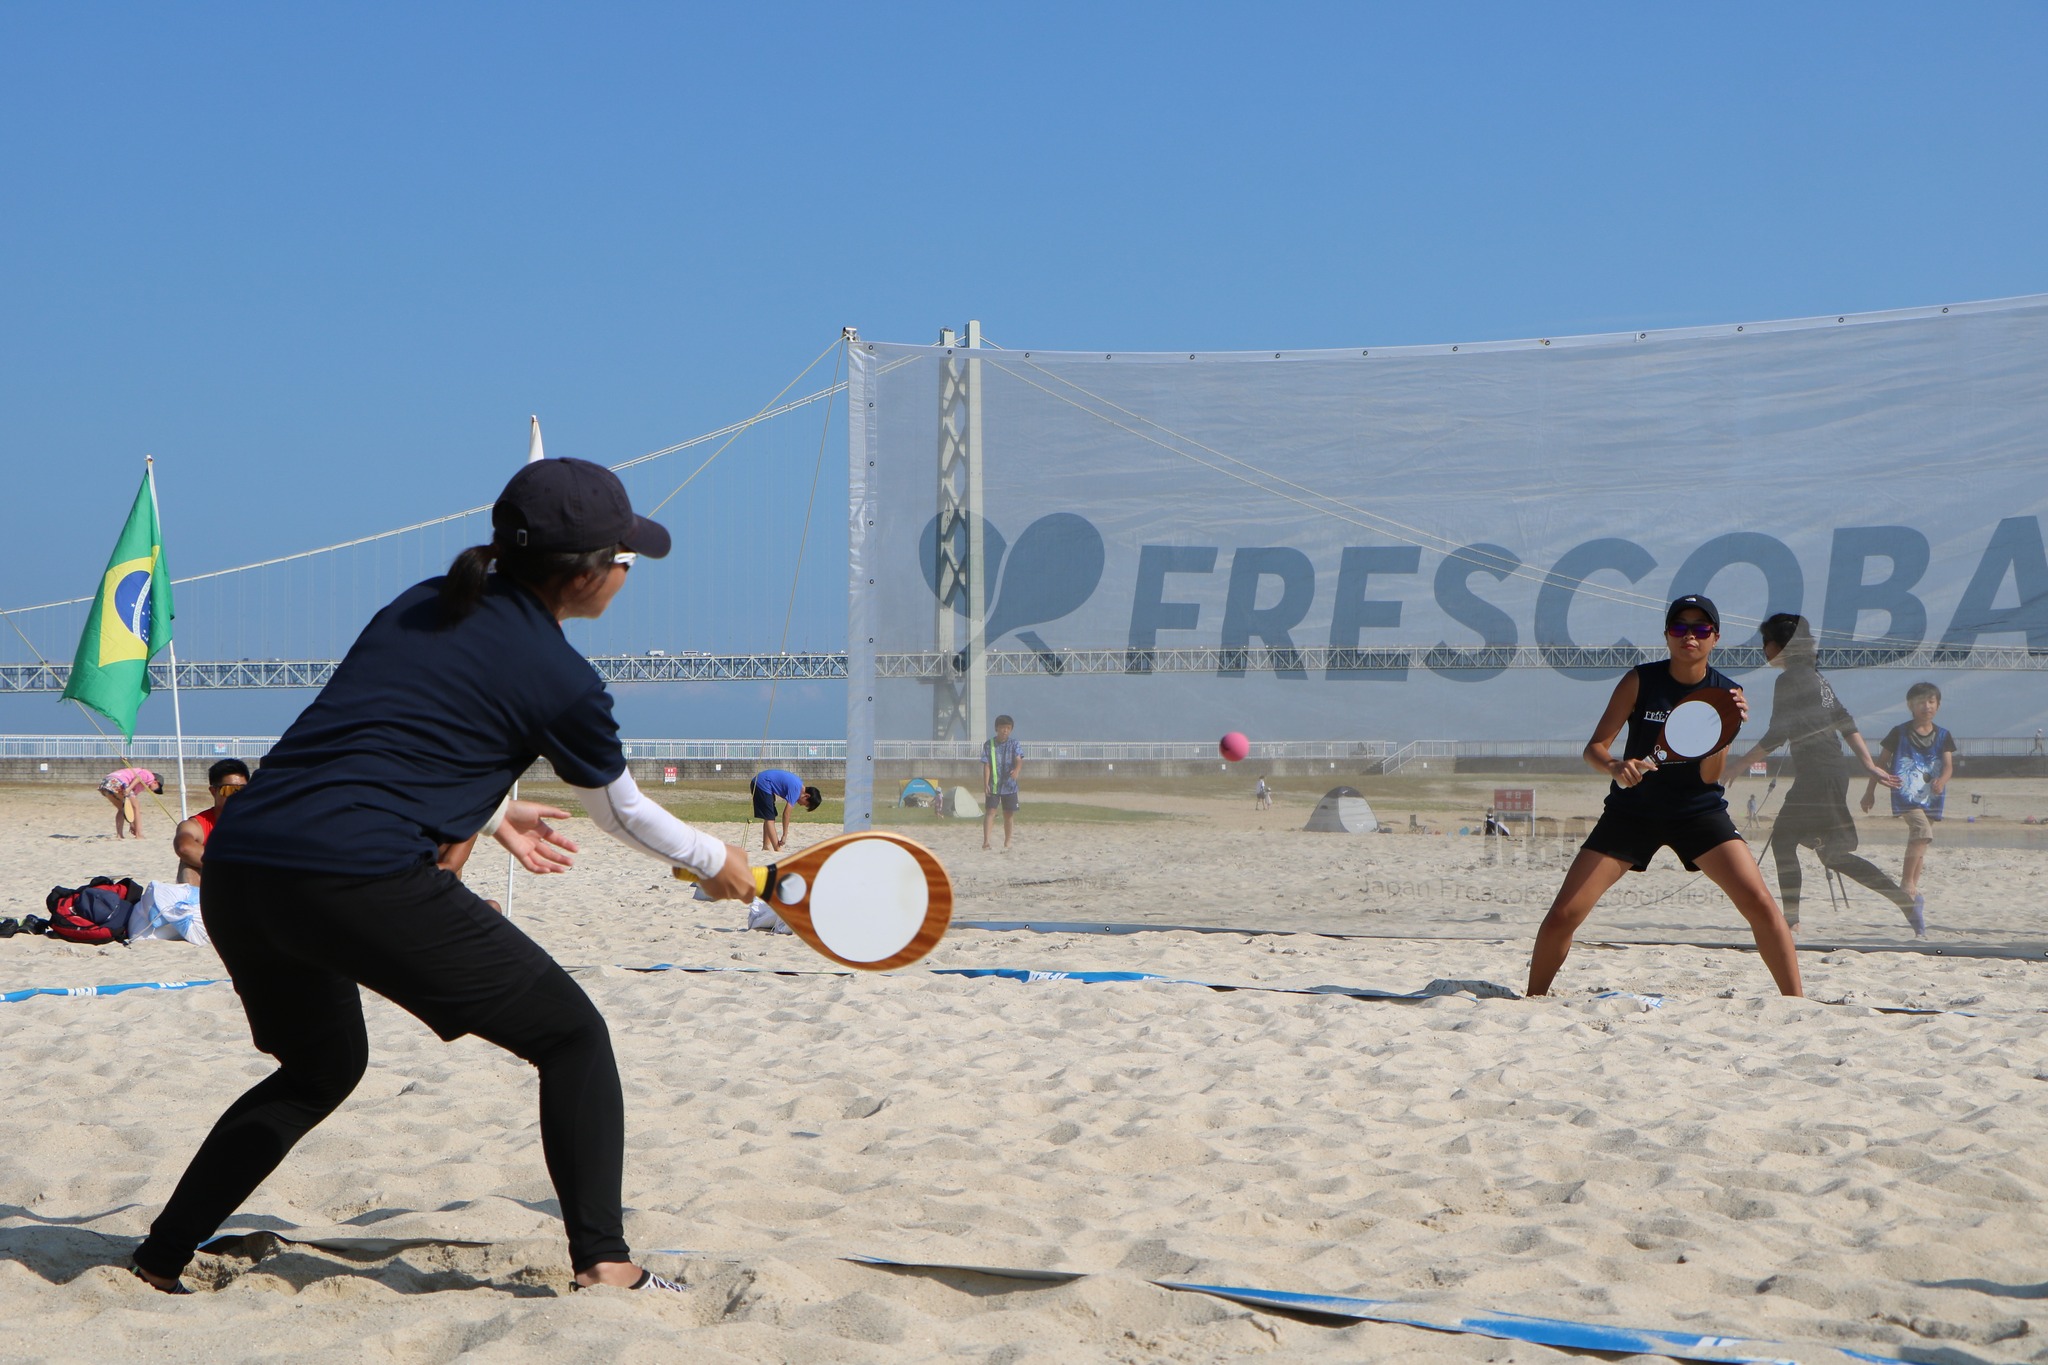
[(960, 696), (977, 597), (177, 712)]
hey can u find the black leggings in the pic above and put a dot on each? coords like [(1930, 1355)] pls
[(298, 945), (1821, 821)]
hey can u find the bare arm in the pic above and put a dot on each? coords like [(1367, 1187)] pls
[(1948, 770), (1884, 762), (190, 848), (1598, 752), (1862, 752)]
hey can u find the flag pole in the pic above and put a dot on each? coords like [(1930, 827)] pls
[(177, 713)]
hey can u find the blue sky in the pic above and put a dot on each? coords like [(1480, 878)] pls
[(323, 263)]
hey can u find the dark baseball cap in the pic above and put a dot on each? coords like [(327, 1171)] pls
[(569, 505), (1696, 603)]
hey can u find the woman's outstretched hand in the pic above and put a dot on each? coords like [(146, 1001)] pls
[(525, 833)]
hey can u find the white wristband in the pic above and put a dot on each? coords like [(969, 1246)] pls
[(497, 816)]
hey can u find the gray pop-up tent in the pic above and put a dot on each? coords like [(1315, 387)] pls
[(1342, 811)]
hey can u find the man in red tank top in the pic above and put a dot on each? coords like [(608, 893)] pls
[(223, 779)]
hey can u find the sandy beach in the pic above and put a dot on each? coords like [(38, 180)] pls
[(1663, 1144)]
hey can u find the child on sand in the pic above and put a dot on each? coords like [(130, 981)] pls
[(1676, 804), (1922, 757), (1002, 758)]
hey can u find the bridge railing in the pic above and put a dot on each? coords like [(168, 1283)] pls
[(1392, 757)]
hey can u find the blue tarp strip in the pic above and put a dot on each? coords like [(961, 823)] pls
[(1558, 1332)]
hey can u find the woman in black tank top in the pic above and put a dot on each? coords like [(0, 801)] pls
[(1676, 804)]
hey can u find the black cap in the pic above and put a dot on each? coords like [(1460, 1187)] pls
[(1695, 602), (570, 505)]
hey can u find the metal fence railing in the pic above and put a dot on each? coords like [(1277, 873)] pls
[(1391, 757)]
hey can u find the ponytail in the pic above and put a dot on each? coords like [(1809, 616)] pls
[(543, 571), (463, 588)]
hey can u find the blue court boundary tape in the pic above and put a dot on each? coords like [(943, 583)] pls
[(1442, 986), (9, 997), (1563, 1333), (2022, 951)]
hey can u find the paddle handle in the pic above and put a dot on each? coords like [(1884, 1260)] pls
[(762, 876)]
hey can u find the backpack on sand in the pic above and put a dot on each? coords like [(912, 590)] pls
[(94, 913)]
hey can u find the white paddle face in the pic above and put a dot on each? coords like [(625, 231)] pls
[(1693, 729), (868, 901)]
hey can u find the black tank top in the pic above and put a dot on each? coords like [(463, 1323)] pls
[(1675, 788)]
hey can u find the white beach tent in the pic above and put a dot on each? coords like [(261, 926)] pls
[(1342, 811)]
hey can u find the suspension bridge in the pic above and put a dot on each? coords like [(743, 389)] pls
[(201, 675)]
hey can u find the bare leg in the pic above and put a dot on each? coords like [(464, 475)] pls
[(1730, 868), (988, 821), (120, 816), (1008, 817), (1916, 858), (1585, 882)]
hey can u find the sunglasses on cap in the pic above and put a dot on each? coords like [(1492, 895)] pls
[(1699, 630)]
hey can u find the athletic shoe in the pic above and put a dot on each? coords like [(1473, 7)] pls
[(177, 1286), (1917, 916), (648, 1280)]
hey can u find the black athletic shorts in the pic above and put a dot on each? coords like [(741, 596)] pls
[(990, 800), (764, 803), (1635, 839)]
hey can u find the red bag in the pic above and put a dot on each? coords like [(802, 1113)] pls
[(94, 913)]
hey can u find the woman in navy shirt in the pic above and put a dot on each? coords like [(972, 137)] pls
[(1677, 803), (326, 875)]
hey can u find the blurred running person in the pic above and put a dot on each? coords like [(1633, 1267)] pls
[(1806, 715), (1677, 804), (321, 876)]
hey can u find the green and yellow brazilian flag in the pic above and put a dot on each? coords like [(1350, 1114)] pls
[(129, 623)]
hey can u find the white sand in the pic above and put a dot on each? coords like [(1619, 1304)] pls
[(1819, 1174)]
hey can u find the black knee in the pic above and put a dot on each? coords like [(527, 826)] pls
[(553, 1019), (320, 1065)]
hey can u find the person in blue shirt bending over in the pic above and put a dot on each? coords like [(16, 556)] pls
[(780, 784)]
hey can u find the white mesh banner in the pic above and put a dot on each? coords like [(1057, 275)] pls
[(1465, 542)]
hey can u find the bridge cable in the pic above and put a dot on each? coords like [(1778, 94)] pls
[(824, 431)]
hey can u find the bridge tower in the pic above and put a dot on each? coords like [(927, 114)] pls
[(960, 694)]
